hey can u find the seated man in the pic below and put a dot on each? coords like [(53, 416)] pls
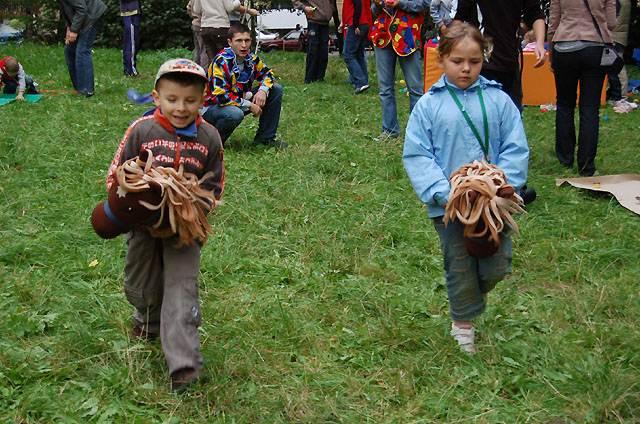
[(230, 95)]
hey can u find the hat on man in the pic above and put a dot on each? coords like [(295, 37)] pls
[(180, 65)]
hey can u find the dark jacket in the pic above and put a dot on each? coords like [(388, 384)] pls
[(500, 20), (81, 14), (324, 10)]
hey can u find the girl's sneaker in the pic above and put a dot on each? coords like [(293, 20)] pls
[(465, 338)]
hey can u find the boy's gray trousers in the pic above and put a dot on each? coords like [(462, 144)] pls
[(161, 282)]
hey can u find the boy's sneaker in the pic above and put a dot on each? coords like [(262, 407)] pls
[(183, 378), (362, 89), (465, 338), (142, 333)]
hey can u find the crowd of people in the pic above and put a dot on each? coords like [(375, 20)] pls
[(472, 113)]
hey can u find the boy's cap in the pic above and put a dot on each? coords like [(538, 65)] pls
[(180, 65)]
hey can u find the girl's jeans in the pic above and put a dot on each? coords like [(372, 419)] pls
[(469, 279)]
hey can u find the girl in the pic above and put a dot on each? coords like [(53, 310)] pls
[(462, 118)]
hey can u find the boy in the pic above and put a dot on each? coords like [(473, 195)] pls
[(14, 79), (130, 12), (230, 95), (161, 279)]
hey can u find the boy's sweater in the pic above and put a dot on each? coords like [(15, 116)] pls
[(199, 152), (438, 140)]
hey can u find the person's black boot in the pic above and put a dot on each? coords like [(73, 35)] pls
[(528, 194)]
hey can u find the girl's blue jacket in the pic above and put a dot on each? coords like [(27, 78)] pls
[(438, 140)]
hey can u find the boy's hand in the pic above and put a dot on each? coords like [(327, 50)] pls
[(260, 98), (255, 110), (20, 96)]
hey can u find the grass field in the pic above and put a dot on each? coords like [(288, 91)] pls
[(322, 287)]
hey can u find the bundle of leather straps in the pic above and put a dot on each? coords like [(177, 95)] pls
[(184, 204), (483, 201)]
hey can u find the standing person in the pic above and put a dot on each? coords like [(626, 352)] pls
[(578, 30), (82, 18), (214, 22), (395, 35), (199, 52), (161, 275), (618, 81), (442, 135), (501, 21), (319, 13), (130, 12), (356, 20), (231, 95), (441, 11)]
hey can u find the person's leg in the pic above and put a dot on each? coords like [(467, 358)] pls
[(313, 46), (84, 60), (591, 81), (143, 278), (496, 267), (351, 50), (214, 39), (614, 92), (466, 300), (180, 314), (225, 118), (128, 46), (270, 117), (30, 85), (361, 54), (323, 52), (412, 69), (566, 74), (385, 65), (10, 87), (70, 59)]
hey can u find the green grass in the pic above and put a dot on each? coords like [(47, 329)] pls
[(322, 289)]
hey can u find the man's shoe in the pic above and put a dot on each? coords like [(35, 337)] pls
[(273, 142), (362, 89), (386, 137), (183, 378), (528, 194)]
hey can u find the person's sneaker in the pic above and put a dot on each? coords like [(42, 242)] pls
[(386, 137), (465, 338), (528, 194), (183, 378), (142, 333), (624, 106), (362, 89), (273, 142)]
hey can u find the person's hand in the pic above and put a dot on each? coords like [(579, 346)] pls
[(20, 96), (391, 3), (357, 31), (253, 12), (340, 28), (255, 110), (540, 55), (308, 10), (442, 28), (260, 98), (71, 37)]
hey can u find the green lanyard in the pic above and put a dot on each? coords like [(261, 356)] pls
[(483, 145)]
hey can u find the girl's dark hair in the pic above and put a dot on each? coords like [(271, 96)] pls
[(456, 32), (184, 79)]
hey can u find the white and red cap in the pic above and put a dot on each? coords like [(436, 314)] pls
[(180, 65)]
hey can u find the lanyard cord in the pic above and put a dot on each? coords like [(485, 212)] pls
[(483, 145)]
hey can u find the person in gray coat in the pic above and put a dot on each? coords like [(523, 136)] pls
[(82, 18)]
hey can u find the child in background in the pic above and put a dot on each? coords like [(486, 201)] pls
[(13, 79), (443, 133), (161, 278), (130, 12)]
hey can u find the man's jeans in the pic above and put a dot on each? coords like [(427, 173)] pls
[(469, 279), (317, 52), (354, 55), (227, 118), (80, 61), (571, 68), (412, 69)]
